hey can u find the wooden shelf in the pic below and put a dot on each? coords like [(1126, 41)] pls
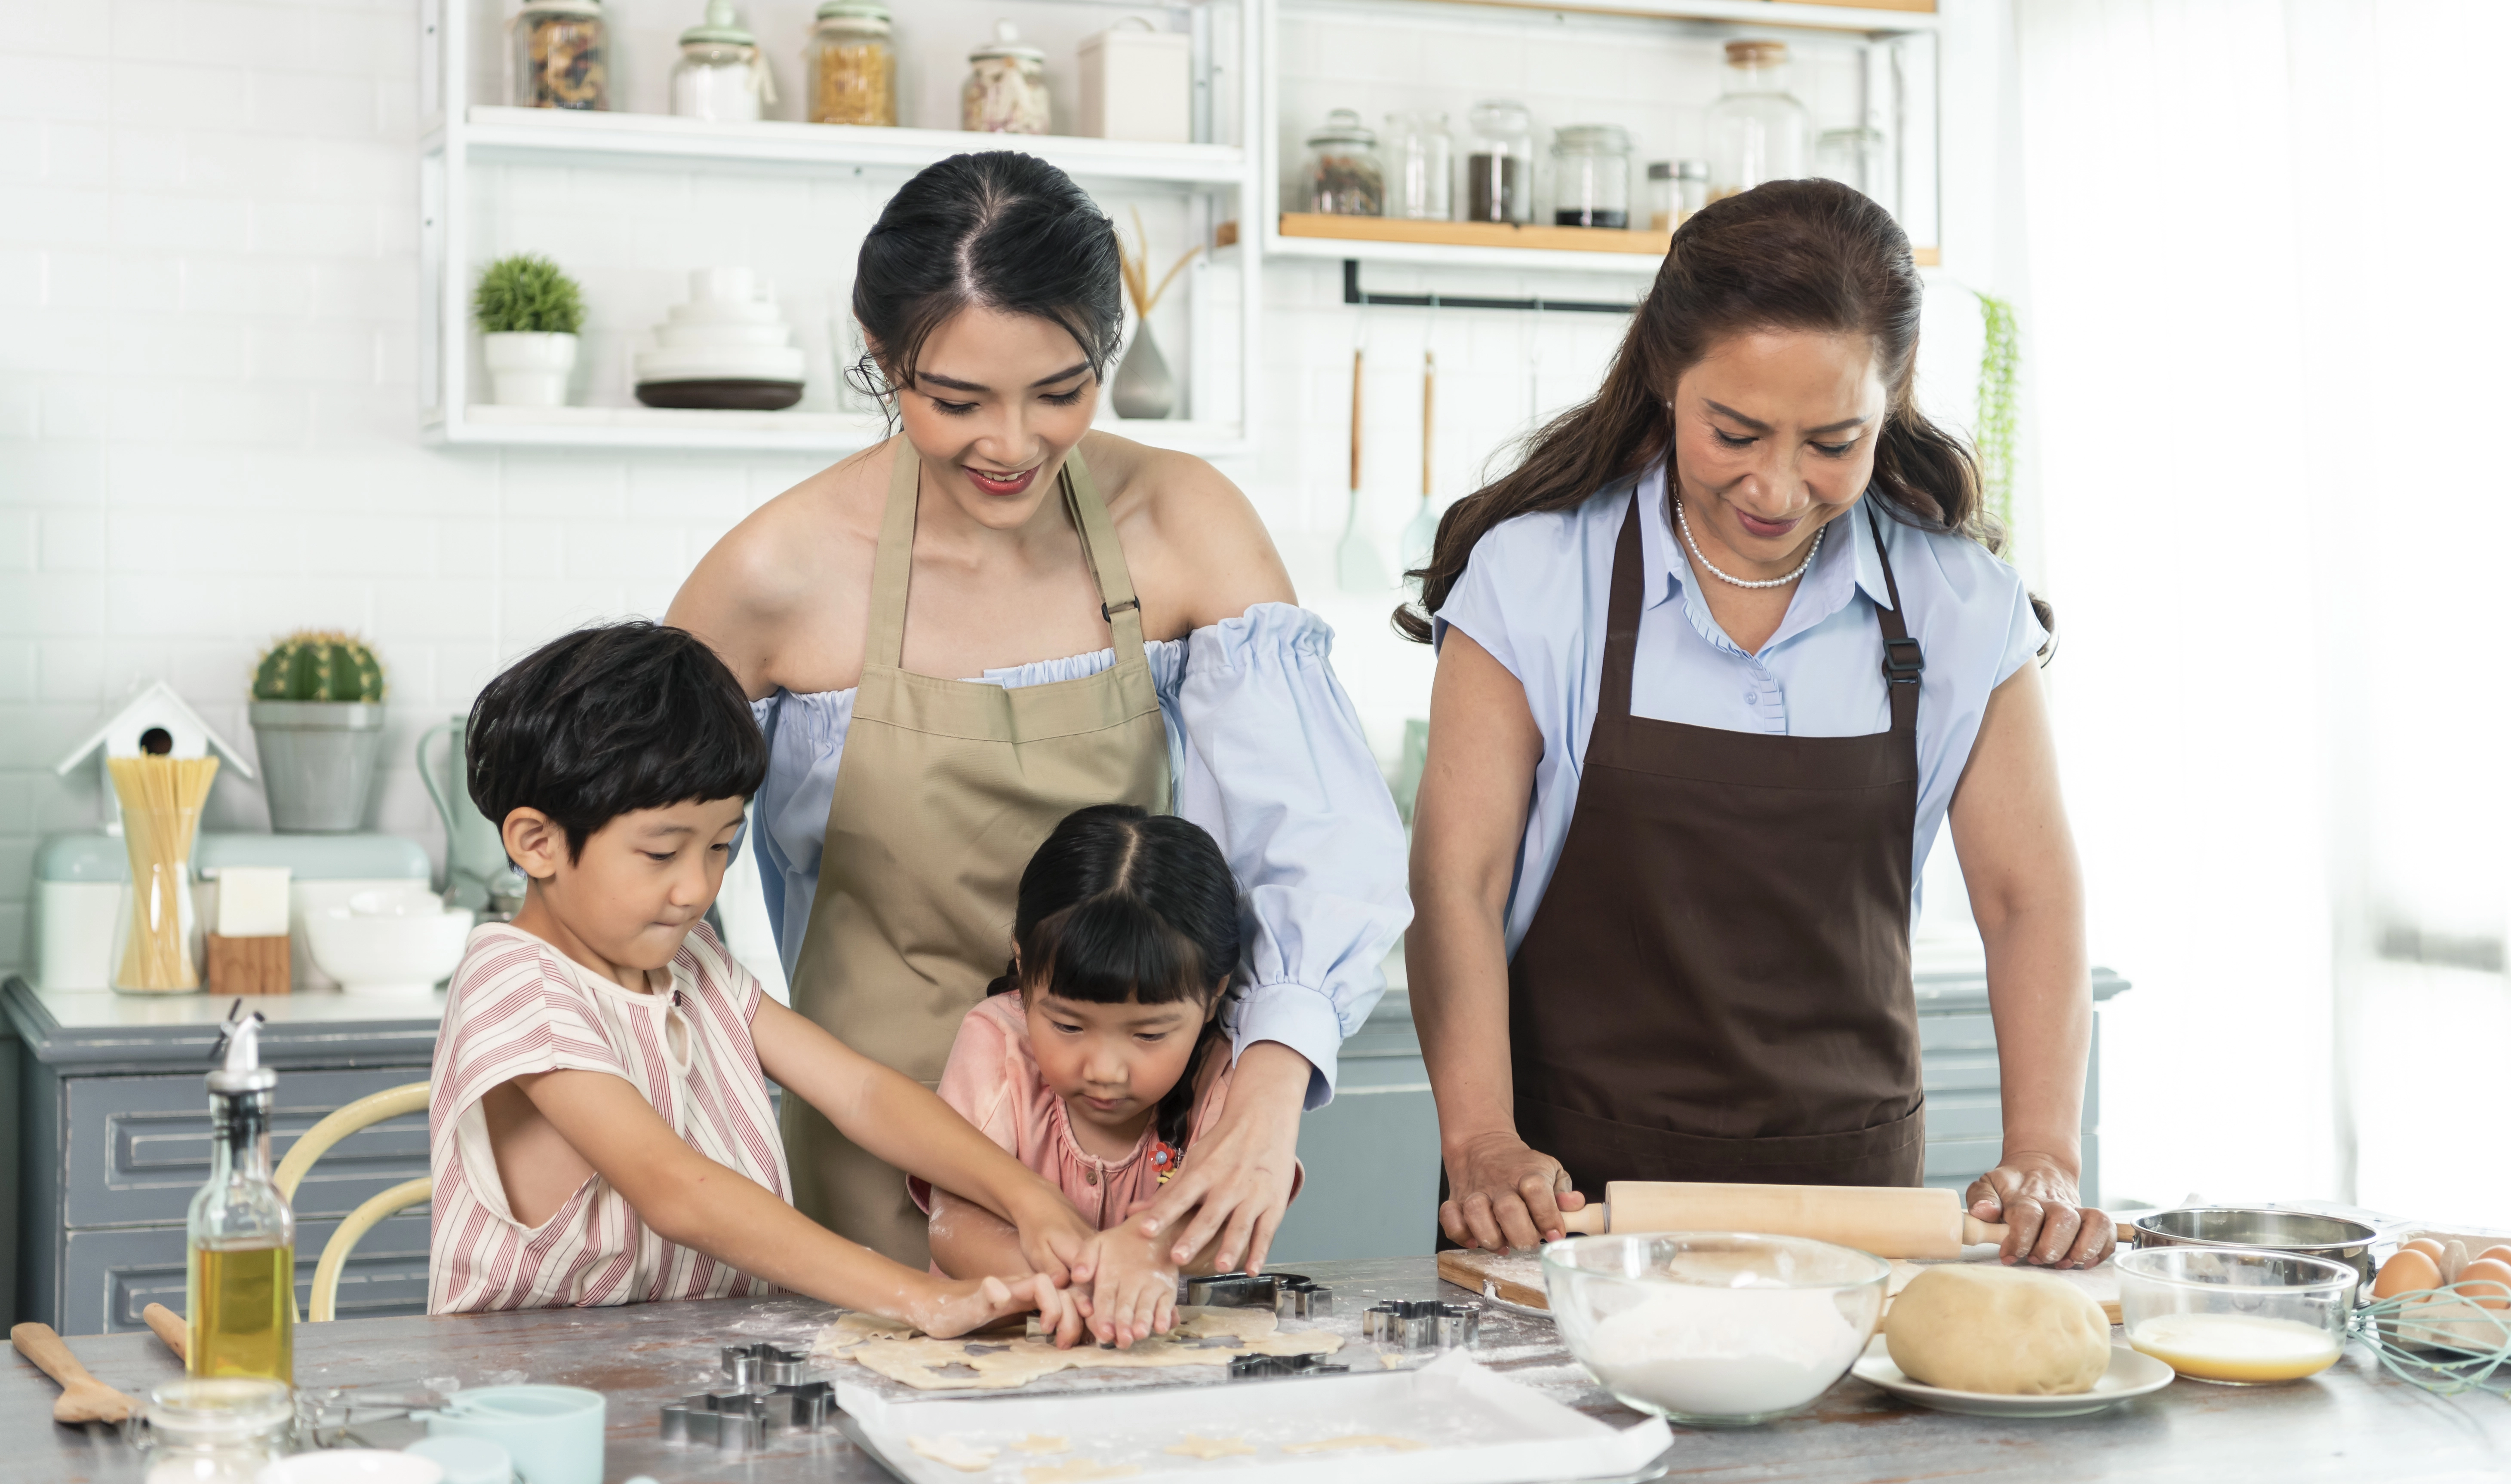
[(496, 133), (1473, 234), (833, 433), (1874, 18)]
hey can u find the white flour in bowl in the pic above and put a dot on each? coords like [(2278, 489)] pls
[(1724, 1352)]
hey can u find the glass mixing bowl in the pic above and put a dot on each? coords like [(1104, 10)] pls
[(1713, 1328), (2239, 1316)]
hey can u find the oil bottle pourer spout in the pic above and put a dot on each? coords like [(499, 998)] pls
[(237, 1054)]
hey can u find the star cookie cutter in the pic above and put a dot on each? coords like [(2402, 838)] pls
[(1423, 1324), (1291, 1295)]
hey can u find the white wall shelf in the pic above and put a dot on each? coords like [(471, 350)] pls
[(835, 433)]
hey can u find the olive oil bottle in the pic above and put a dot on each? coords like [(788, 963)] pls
[(240, 1240)]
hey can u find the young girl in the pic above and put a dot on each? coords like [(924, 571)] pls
[(1099, 1058)]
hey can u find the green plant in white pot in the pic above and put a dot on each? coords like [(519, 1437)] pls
[(318, 719), (528, 312)]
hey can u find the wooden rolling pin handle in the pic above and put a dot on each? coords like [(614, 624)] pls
[(1976, 1230), (1594, 1219), (40, 1344), (169, 1328)]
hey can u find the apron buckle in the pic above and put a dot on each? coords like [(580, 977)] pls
[(1108, 612), (1903, 660)]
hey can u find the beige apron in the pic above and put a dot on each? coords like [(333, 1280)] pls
[(945, 789)]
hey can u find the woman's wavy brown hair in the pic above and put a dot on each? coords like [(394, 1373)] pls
[(1792, 254)]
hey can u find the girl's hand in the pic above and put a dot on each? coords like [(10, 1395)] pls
[(948, 1307), (1236, 1179), (1136, 1294)]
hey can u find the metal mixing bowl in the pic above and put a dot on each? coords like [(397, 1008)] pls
[(2300, 1232)]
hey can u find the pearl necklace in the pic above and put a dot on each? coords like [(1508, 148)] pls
[(1811, 552)]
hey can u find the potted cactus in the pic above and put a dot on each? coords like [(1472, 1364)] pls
[(529, 313), (318, 718)]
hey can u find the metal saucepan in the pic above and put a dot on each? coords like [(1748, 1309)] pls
[(2333, 1238)]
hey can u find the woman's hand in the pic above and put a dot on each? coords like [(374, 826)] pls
[(2045, 1220), (1503, 1195), (1136, 1297), (1236, 1179), (1053, 1238), (947, 1308)]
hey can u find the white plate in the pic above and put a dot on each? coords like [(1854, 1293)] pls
[(2130, 1374)]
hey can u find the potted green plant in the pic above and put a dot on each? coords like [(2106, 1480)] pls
[(318, 719), (528, 312)]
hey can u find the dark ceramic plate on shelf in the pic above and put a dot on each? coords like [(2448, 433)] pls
[(722, 395)]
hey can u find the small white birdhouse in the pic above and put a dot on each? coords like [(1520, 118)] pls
[(154, 723)]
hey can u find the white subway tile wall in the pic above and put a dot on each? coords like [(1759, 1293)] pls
[(209, 406)]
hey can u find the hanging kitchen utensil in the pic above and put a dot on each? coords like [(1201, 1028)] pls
[(1357, 566), (1421, 532)]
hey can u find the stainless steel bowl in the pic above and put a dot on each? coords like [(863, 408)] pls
[(2333, 1238)]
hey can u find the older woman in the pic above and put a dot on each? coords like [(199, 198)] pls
[(997, 617)]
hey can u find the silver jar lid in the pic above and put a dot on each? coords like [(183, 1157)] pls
[(1592, 139), (1344, 127), (1500, 116), (1007, 43)]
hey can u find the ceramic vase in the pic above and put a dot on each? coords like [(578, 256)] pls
[(528, 369), (1143, 387), (318, 762)]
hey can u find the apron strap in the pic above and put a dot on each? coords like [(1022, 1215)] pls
[(885, 636), (1622, 619), (1118, 604), (1903, 660)]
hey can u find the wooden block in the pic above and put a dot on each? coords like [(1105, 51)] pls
[(1516, 1278), (248, 965)]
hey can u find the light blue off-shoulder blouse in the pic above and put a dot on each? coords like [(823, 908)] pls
[(1265, 751)]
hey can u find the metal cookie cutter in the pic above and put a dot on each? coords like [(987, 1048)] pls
[(1264, 1367), (1288, 1294), (739, 1419), (765, 1364), (1420, 1324)]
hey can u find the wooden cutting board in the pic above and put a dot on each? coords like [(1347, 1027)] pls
[(1516, 1277)]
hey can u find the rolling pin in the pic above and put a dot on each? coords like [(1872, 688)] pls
[(169, 1326), (1883, 1220)]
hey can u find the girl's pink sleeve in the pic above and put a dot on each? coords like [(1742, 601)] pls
[(977, 1081)]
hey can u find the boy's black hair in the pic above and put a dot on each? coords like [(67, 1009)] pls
[(608, 720)]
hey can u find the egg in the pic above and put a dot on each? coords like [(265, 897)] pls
[(2423, 1244), (2491, 1271), (2410, 1271), (2502, 1253)]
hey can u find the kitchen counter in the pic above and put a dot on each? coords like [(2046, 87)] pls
[(2348, 1424), (100, 1030)]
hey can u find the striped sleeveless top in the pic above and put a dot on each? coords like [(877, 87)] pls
[(519, 1006)]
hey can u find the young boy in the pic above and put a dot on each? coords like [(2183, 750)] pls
[(600, 1131)]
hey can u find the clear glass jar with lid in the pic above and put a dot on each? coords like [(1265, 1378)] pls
[(1342, 176), (226, 1430), (1417, 167), (1858, 156), (852, 65), (1757, 131), (559, 52), (719, 75), (1499, 162), (1006, 88), (1591, 177)]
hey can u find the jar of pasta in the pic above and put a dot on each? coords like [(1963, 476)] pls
[(559, 55), (853, 65), (1006, 88)]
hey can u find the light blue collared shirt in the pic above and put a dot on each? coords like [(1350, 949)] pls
[(1265, 751), (1534, 595)]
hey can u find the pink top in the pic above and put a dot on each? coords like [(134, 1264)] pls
[(519, 1006), (993, 1081)]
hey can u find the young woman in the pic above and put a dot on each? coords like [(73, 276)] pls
[(997, 617), (1714, 663)]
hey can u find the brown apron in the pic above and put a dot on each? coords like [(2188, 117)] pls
[(943, 791), (1717, 985)]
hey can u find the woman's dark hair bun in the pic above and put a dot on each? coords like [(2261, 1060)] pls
[(998, 230)]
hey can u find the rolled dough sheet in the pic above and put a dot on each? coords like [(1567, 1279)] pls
[(964, 1365)]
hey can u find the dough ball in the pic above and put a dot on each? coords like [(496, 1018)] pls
[(2008, 1331)]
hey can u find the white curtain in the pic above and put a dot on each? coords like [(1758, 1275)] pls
[(2268, 383)]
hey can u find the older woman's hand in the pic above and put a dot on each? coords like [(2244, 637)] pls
[(2046, 1222), (1236, 1180), (1502, 1194)]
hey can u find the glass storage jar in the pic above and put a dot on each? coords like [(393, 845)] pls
[(1591, 177), (1856, 157), (1499, 162), (1342, 176), (215, 1431), (1757, 131), (1690, 188), (1417, 165), (719, 75), (1660, 196), (559, 55), (852, 65), (1006, 88)]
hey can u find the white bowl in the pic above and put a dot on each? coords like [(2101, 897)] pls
[(677, 338), (753, 363), (388, 943)]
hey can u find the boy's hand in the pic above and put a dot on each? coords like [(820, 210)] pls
[(948, 1307), (1134, 1294), (1054, 1238)]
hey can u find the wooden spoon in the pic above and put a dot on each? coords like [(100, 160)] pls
[(169, 1326), (83, 1399)]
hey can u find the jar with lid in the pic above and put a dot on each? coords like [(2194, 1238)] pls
[(558, 51), (852, 65), (1342, 177), (1417, 165), (719, 75), (1006, 88), (1856, 157), (1499, 162), (1590, 175), (1757, 131), (215, 1431)]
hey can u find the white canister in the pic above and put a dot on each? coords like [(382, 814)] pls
[(1136, 84), (528, 369)]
